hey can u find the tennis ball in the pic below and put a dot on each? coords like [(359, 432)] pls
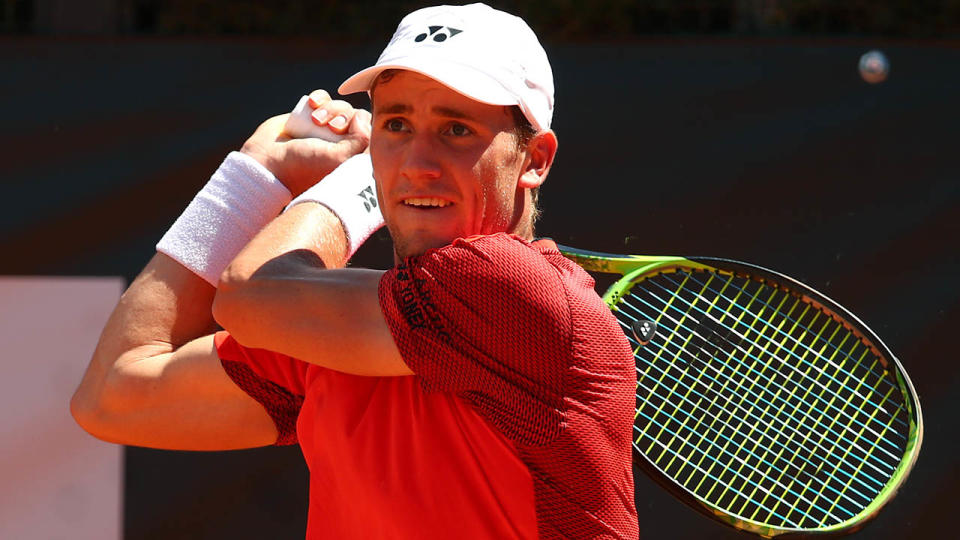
[(874, 67)]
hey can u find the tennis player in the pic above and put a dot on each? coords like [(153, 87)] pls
[(478, 389)]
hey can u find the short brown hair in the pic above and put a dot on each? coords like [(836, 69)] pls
[(525, 132)]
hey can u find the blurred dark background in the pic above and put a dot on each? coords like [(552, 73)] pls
[(553, 19), (701, 127)]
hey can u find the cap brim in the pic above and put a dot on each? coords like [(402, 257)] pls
[(462, 79)]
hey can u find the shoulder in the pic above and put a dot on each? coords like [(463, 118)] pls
[(484, 252), (501, 257), (500, 284), (498, 267)]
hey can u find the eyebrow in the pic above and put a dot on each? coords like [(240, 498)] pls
[(396, 108), (403, 108), (451, 113)]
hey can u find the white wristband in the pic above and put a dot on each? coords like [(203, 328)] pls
[(350, 193), (241, 197)]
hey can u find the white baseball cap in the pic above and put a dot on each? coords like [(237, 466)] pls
[(485, 54)]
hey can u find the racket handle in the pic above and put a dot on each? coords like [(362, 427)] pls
[(300, 124)]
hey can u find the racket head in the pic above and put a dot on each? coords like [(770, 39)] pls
[(761, 402)]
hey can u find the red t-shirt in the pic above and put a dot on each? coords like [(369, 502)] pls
[(516, 424)]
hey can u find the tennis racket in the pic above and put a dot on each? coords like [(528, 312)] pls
[(760, 402)]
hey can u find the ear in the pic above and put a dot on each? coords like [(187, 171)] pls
[(540, 152)]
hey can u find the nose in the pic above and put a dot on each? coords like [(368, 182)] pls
[(419, 159)]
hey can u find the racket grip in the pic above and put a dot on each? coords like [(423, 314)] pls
[(300, 124)]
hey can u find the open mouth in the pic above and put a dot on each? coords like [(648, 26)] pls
[(426, 202)]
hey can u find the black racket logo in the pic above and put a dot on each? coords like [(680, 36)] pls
[(643, 330), (710, 338)]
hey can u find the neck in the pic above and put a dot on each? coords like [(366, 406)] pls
[(525, 211)]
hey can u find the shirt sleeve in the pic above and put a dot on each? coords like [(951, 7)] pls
[(486, 318), (275, 380)]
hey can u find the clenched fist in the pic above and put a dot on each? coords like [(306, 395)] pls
[(302, 162)]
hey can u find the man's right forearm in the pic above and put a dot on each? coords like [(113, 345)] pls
[(170, 302), (165, 307)]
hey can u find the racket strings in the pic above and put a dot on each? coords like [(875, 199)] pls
[(803, 330), (819, 424), (764, 439), (720, 442), (792, 471), (827, 343), (750, 479), (719, 434), (824, 387), (741, 430)]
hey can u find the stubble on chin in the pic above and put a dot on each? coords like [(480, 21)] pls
[(409, 246), (403, 246)]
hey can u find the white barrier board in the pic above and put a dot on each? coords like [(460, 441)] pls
[(57, 481)]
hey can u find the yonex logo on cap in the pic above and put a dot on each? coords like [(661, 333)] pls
[(498, 62), (438, 36)]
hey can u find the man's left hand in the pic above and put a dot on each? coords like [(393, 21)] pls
[(301, 163)]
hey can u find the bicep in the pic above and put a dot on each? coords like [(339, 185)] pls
[(182, 400)]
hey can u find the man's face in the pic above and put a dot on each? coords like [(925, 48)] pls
[(446, 166)]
